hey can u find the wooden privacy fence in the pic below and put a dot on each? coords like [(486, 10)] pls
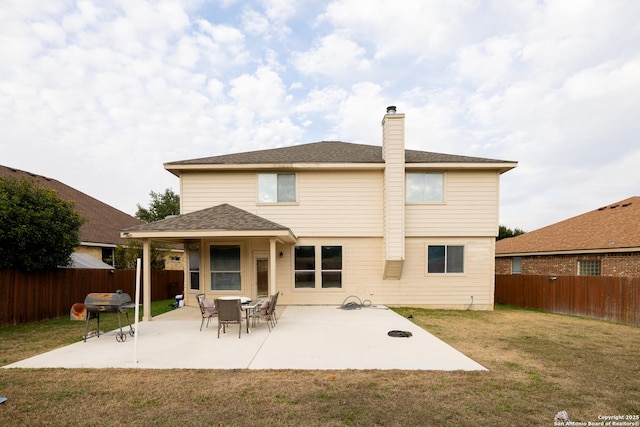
[(30, 297), (615, 299)]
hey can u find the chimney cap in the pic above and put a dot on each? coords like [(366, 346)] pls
[(391, 109)]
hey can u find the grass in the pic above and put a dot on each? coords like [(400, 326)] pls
[(29, 339), (538, 363)]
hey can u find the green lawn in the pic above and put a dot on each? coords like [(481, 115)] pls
[(538, 364)]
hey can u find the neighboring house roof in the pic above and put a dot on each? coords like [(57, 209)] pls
[(103, 222), (329, 152), (80, 260), (215, 221), (612, 228)]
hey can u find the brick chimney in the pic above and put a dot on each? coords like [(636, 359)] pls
[(393, 192)]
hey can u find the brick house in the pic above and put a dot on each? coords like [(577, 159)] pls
[(100, 234), (602, 242)]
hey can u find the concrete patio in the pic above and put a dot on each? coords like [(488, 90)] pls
[(306, 337)]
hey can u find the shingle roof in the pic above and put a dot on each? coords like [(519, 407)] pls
[(328, 152), (222, 217), (612, 227), (103, 222)]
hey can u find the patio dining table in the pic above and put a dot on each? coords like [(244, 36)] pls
[(247, 307)]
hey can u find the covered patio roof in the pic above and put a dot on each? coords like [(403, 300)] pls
[(218, 221)]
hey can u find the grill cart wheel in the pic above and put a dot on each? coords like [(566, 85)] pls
[(132, 331), (121, 337)]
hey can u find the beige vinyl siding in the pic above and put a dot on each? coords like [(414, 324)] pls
[(336, 203), (363, 263), (470, 207), (417, 288), (93, 251), (201, 190)]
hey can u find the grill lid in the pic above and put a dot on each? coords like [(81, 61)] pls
[(106, 300)]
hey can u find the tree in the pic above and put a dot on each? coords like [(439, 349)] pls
[(126, 255), (38, 229), (161, 206), (504, 232)]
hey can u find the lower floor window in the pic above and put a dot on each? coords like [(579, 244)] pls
[(225, 268), (307, 258), (516, 265), (589, 267), (332, 266), (445, 259), (194, 267), (305, 267)]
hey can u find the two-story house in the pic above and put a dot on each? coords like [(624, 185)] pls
[(323, 221)]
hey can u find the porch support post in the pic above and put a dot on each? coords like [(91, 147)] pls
[(187, 269), (146, 280), (272, 266)]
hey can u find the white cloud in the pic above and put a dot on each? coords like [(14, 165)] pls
[(255, 22), (85, 15), (409, 29), (359, 116), (102, 89), (490, 62), (221, 46), (263, 93), (334, 55), (272, 23)]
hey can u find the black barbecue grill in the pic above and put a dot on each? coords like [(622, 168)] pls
[(108, 302)]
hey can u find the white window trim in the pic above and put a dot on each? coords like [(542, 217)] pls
[(318, 270), (444, 188), (464, 259), (261, 203), (512, 270), (209, 272)]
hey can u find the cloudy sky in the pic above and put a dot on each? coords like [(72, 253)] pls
[(99, 94)]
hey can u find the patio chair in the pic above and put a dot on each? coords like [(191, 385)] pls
[(229, 312), (267, 311), (274, 302), (207, 309)]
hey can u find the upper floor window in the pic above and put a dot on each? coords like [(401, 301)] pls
[(276, 187), (445, 259), (425, 186)]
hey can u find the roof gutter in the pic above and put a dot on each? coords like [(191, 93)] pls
[(572, 252), (285, 236), (502, 167), (176, 169)]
